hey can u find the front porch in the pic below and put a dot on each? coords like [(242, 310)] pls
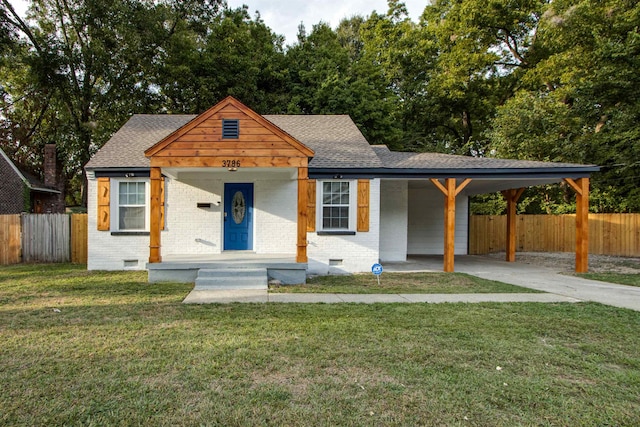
[(234, 140), (185, 268)]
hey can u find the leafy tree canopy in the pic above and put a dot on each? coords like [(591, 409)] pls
[(526, 79)]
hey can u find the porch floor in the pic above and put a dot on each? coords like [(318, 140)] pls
[(230, 258)]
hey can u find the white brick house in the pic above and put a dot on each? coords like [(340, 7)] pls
[(232, 182)]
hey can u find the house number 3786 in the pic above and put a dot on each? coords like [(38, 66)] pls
[(231, 163)]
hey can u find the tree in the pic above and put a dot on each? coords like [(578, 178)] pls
[(392, 46), (579, 102), (328, 74), (82, 67), (229, 55), (527, 79), (477, 49)]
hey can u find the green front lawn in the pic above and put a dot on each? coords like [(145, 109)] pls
[(109, 349), (401, 283), (620, 278)]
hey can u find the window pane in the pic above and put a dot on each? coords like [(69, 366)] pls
[(326, 192), (341, 218), (131, 193), (326, 221), (335, 217), (335, 199), (140, 196), (335, 193), (131, 218), (122, 188)]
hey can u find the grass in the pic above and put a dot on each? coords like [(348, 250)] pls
[(401, 283), (123, 352), (620, 278)]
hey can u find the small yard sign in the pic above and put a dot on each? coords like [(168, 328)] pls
[(377, 270)]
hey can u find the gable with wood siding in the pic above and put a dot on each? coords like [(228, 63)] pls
[(200, 143)]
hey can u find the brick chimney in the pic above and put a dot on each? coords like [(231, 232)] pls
[(53, 202), (50, 166)]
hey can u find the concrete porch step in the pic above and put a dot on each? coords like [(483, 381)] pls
[(231, 278)]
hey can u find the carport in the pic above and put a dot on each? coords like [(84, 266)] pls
[(452, 174)]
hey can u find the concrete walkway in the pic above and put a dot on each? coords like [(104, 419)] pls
[(229, 296), (533, 277), (559, 287)]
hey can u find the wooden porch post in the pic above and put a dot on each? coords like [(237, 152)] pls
[(301, 251), (511, 197), (450, 192), (581, 187), (449, 224), (155, 225)]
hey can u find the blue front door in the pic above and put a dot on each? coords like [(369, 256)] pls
[(238, 216)]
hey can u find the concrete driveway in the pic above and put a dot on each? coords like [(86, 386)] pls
[(529, 276)]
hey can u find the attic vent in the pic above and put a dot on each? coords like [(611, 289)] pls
[(230, 128)]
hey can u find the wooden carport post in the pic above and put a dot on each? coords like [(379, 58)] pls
[(156, 216), (303, 182), (511, 196), (581, 187), (450, 192)]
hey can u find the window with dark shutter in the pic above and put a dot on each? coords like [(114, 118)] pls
[(230, 128)]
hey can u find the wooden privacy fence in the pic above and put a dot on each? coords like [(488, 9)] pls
[(609, 234), (43, 238), (10, 244), (79, 238)]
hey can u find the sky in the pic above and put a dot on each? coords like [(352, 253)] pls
[(284, 16)]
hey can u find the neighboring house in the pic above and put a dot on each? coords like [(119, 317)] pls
[(21, 192), (230, 182)]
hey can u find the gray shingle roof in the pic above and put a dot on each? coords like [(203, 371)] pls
[(335, 139), (404, 160), (32, 181), (126, 147)]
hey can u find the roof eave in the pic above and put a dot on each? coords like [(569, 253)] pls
[(119, 172), (24, 179), (15, 168), (549, 172)]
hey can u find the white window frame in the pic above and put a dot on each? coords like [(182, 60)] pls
[(353, 198), (115, 205)]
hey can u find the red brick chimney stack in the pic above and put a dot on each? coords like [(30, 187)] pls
[(50, 166)]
